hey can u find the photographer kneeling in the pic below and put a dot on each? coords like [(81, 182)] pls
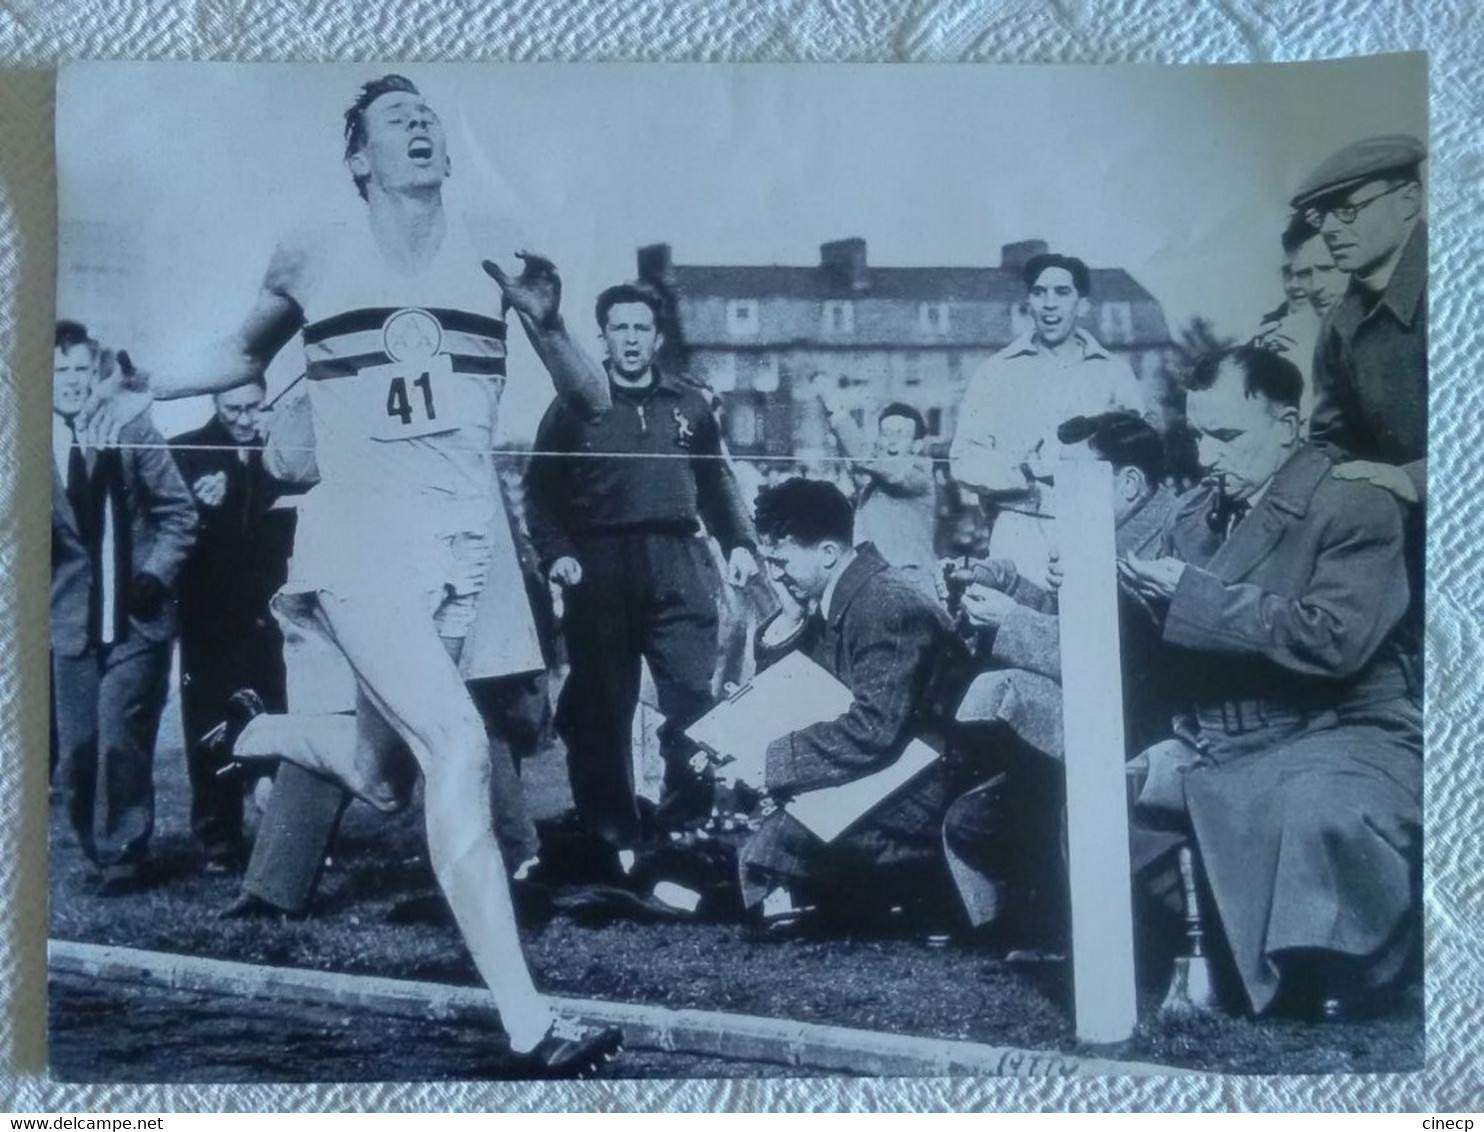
[(1003, 837), (870, 627)]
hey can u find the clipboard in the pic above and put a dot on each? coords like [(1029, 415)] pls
[(792, 694)]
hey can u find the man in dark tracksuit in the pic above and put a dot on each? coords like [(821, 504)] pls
[(620, 535)]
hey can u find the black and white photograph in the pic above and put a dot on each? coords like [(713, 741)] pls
[(704, 571)]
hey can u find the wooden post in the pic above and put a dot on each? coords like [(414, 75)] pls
[(1097, 801)]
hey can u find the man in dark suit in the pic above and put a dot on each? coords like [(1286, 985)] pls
[(873, 629), (228, 638), (1298, 767), (122, 525)]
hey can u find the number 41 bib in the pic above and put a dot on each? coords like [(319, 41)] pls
[(409, 399), (408, 377)]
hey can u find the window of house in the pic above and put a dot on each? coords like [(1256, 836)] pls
[(765, 374), (932, 318), (912, 371), (935, 421), (744, 424), (742, 318), (839, 316), (720, 372)]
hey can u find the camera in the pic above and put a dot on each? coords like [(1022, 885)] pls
[(956, 579)]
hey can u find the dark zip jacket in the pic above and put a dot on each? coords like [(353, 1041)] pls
[(686, 479)]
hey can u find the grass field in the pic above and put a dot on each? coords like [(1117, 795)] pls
[(896, 982)]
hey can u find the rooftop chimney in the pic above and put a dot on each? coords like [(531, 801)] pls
[(845, 260), (1014, 257), (654, 264)]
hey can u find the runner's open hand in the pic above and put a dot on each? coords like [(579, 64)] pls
[(113, 403), (536, 293)]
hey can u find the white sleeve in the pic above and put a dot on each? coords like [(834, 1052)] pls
[(976, 460)]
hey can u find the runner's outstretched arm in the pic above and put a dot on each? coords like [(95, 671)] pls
[(536, 295), (242, 357)]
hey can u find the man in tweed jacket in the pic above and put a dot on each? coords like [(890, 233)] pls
[(874, 630)]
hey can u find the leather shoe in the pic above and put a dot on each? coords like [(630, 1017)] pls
[(223, 858), (596, 905), (1354, 1006), (121, 879)]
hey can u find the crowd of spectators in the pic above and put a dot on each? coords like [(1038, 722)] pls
[(1270, 620)]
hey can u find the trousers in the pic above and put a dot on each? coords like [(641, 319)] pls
[(108, 715), (644, 596), (304, 812), (214, 664)]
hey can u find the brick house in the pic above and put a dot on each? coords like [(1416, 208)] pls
[(758, 335)]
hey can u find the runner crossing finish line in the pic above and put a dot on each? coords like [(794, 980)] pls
[(404, 346)]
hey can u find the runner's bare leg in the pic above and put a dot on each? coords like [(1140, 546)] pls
[(416, 687), (359, 750), (331, 745)]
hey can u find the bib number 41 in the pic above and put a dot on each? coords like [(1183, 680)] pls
[(407, 400), (400, 406)]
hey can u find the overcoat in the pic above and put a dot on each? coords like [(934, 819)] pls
[(1302, 773)]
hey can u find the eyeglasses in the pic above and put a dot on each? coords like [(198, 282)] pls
[(1346, 213)]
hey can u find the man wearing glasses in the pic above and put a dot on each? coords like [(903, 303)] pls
[(228, 638), (1370, 367)]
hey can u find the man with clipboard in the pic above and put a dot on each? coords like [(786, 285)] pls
[(871, 629)]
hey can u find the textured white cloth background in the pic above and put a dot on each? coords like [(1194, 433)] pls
[(36, 34)]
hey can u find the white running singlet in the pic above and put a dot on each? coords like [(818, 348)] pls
[(405, 374)]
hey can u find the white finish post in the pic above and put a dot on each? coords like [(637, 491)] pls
[(1097, 801)]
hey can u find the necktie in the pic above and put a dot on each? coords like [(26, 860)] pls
[(814, 628), (114, 558), (252, 461), (85, 509), (79, 495)]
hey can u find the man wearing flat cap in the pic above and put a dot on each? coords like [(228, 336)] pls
[(1370, 366)]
